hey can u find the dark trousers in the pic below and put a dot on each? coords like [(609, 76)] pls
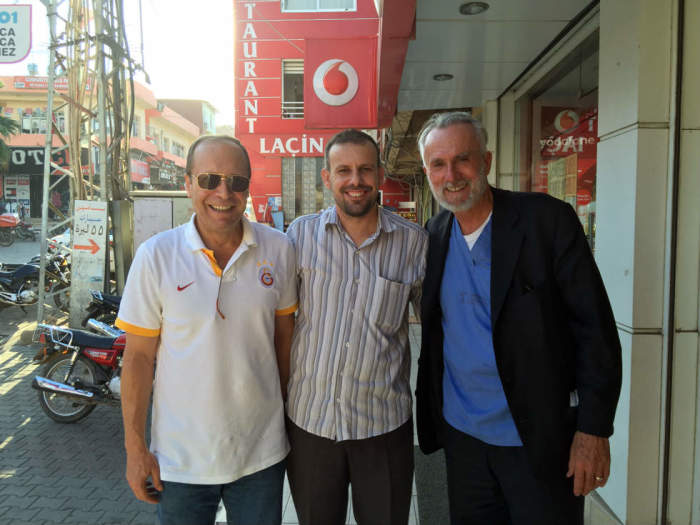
[(380, 470), (492, 485)]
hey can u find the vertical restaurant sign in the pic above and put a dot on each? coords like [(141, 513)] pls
[(15, 32), (340, 83), (256, 95)]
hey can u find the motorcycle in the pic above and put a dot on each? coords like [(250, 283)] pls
[(8, 225), (80, 370), (24, 230), (19, 284), (103, 307)]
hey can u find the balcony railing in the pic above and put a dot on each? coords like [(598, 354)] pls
[(292, 109)]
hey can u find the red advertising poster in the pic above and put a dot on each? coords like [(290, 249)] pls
[(567, 146), (140, 171), (340, 88)]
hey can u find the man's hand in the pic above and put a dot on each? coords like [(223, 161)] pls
[(140, 466), (589, 462)]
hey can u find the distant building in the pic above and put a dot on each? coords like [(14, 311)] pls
[(199, 112), (160, 137)]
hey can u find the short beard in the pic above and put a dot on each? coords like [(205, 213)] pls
[(477, 191), (359, 210)]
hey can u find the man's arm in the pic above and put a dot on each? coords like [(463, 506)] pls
[(598, 354), (136, 387), (284, 328)]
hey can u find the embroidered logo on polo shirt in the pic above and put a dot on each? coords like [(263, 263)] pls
[(265, 273), (180, 288)]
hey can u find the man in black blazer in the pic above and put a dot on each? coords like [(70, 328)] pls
[(520, 366)]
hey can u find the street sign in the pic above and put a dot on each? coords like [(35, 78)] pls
[(89, 239), (15, 32)]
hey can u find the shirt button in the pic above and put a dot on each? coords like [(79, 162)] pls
[(347, 345)]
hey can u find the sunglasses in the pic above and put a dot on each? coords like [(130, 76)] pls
[(211, 181)]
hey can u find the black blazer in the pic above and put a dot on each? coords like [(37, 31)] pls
[(553, 329)]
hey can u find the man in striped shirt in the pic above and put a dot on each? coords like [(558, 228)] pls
[(349, 399)]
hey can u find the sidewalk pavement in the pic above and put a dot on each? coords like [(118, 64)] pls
[(54, 474)]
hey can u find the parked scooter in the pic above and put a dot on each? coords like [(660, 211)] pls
[(19, 284), (80, 371), (8, 225), (103, 307), (24, 231)]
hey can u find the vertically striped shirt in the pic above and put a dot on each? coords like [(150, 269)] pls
[(350, 364)]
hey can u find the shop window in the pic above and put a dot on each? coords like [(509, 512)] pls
[(292, 89), (558, 134), (303, 191), (319, 5)]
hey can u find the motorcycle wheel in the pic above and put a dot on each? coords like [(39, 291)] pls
[(6, 237), (60, 408), (62, 297)]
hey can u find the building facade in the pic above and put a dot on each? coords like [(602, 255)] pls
[(280, 47), (157, 146)]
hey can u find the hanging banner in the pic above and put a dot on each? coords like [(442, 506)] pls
[(340, 83), (15, 32)]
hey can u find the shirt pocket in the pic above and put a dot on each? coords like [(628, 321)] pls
[(388, 305)]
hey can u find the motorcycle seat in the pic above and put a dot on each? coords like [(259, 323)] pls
[(83, 338), (113, 300)]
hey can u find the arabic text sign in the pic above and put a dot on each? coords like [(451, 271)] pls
[(15, 32), (89, 242)]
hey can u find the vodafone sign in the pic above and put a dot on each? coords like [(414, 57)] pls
[(335, 82), (334, 97)]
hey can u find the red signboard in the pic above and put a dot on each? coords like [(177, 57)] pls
[(340, 88), (140, 171), (569, 136), (61, 83)]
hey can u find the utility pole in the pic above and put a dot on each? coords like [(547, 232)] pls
[(88, 52)]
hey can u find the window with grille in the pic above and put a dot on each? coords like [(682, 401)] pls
[(292, 89)]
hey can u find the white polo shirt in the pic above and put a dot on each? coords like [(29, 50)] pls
[(217, 407)]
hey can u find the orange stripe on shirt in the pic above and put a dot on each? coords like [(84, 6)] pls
[(287, 311), (136, 330), (212, 261)]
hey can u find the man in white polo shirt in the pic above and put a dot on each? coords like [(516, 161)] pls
[(213, 301)]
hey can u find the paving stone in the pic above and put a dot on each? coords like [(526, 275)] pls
[(123, 517), (85, 504), (14, 514), (46, 491), (14, 490), (85, 517), (49, 503), (53, 515), (82, 492), (144, 518), (22, 502)]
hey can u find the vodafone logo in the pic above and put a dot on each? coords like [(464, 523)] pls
[(335, 82), (566, 121)]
